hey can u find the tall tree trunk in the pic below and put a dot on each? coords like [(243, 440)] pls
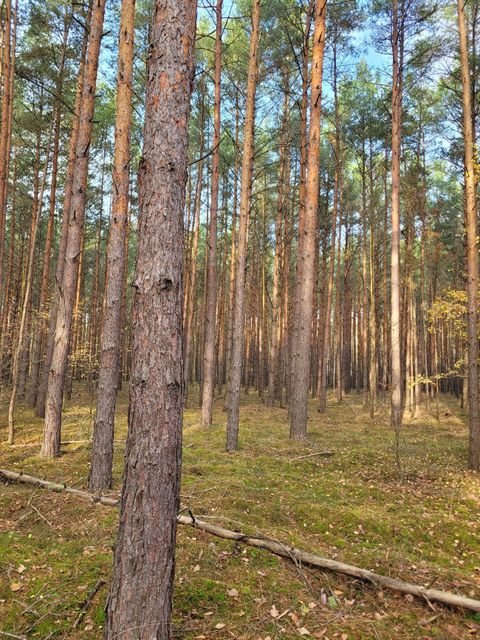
[(140, 601), (327, 313), (67, 199), (472, 250), (24, 318), (365, 306), (6, 301), (233, 253), (372, 382), (103, 429), (42, 305), (222, 299), (304, 105), (326, 341), (56, 378), (211, 283), (9, 283), (191, 285), (275, 330), (5, 133), (235, 371), (385, 332), (397, 89), (305, 277)]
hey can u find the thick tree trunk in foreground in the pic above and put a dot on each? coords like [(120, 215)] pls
[(305, 276), (211, 294), (108, 378), (235, 371), (397, 88), (56, 377), (472, 250), (140, 599)]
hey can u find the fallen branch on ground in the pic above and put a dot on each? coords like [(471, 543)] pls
[(62, 444), (296, 555), (87, 603), (61, 488), (12, 635), (324, 454)]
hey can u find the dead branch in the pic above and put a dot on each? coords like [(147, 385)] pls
[(279, 549), (324, 454), (88, 600)]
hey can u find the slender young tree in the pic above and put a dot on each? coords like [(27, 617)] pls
[(235, 371), (142, 586), (56, 378), (211, 294), (108, 376), (471, 226), (305, 278)]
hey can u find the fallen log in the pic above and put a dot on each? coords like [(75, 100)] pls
[(291, 553)]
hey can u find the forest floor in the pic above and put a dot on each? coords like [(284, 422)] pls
[(422, 526)]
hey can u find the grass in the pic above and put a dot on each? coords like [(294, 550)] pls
[(422, 527)]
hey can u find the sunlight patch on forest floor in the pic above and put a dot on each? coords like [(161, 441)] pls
[(423, 527)]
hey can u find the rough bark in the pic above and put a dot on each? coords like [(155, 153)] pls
[(305, 278), (108, 378), (471, 225), (140, 601), (56, 377), (52, 322)]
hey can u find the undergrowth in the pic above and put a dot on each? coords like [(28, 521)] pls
[(421, 526)]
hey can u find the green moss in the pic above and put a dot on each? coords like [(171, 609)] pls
[(353, 506), (201, 593)]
